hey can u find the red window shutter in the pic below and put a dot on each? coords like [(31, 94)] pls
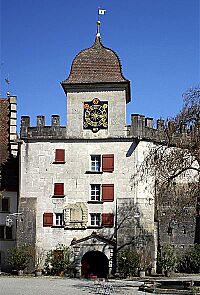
[(60, 156), (47, 219), (107, 163), (107, 192), (108, 219), (58, 189)]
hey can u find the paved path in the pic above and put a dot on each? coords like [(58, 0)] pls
[(64, 286), (60, 286)]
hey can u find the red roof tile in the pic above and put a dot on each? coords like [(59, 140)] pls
[(96, 64)]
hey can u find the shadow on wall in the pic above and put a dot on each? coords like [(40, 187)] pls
[(132, 148)]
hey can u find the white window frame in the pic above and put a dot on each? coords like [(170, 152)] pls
[(95, 163), (95, 219), (58, 219), (95, 192)]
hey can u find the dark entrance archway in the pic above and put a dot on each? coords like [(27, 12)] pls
[(94, 263)]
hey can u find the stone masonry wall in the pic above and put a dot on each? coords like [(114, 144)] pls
[(39, 173)]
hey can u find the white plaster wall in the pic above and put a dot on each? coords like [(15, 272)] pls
[(116, 113), (39, 173)]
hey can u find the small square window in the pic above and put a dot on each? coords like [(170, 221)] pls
[(95, 163), (95, 219), (59, 219), (95, 192)]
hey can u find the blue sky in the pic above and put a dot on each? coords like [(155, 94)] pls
[(157, 42)]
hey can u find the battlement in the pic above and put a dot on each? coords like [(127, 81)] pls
[(42, 131), (143, 128)]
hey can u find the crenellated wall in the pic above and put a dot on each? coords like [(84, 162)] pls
[(141, 128), (41, 130)]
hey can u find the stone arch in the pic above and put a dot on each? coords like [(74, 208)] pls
[(94, 263)]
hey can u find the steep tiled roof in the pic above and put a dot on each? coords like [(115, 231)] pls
[(4, 130), (96, 64)]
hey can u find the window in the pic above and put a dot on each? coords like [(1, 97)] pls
[(95, 219), (95, 192), (6, 233), (104, 192), (104, 163), (59, 189), (4, 205), (51, 219), (108, 219), (59, 219), (95, 163), (47, 219), (59, 156)]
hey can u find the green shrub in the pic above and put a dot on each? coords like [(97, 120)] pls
[(128, 262), (19, 257), (59, 261), (167, 259), (190, 262)]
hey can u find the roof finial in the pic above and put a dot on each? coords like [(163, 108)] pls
[(98, 28), (100, 11)]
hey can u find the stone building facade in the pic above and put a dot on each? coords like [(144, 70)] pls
[(8, 174), (74, 178)]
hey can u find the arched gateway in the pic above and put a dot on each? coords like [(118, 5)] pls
[(93, 255), (94, 263)]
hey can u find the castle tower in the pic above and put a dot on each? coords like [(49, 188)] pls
[(73, 178), (97, 93)]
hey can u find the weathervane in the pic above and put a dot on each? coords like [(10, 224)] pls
[(7, 80), (100, 12)]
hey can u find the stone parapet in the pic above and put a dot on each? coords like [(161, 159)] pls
[(41, 130), (143, 129)]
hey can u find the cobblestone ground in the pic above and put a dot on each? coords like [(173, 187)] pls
[(60, 286)]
